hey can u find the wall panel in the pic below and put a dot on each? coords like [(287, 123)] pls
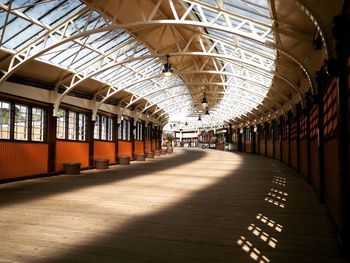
[(285, 151), (139, 147), (314, 164), (293, 153), (332, 180), (262, 147), (148, 146), (269, 148), (104, 150), (303, 157), (19, 159), (125, 149), (154, 145), (71, 151), (248, 146), (277, 150)]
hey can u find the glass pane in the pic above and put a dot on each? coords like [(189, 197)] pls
[(97, 128), (61, 124), (82, 127), (110, 129), (5, 113), (72, 125), (38, 124), (21, 122), (103, 128)]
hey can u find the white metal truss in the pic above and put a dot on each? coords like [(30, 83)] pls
[(256, 66)]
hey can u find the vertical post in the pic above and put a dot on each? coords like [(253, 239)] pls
[(281, 138), (90, 138), (258, 132), (51, 127), (320, 86), (115, 137), (289, 137), (239, 140), (298, 139), (253, 139), (273, 139), (308, 143), (265, 127), (132, 137)]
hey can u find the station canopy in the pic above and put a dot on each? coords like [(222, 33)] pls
[(115, 51)]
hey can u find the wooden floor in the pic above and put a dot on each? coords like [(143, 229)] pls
[(190, 206)]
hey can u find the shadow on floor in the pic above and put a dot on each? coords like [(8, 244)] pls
[(229, 221), (19, 192)]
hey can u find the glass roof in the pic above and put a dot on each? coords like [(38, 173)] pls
[(118, 60)]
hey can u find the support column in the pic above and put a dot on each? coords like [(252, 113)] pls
[(289, 138), (298, 139), (132, 138), (308, 144), (51, 140), (90, 138), (320, 86), (273, 139), (115, 137)]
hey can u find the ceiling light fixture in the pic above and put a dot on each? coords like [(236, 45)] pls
[(199, 118), (204, 102), (167, 70), (207, 112)]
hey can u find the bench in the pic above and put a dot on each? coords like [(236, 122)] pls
[(71, 168)]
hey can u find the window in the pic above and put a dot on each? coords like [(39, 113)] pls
[(110, 129), (103, 129), (38, 120), (71, 125), (5, 112), (61, 124), (82, 127), (21, 122), (124, 130), (97, 128), (138, 131), (303, 126)]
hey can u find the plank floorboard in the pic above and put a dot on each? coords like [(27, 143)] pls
[(190, 206)]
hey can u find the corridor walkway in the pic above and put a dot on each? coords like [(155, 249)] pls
[(191, 206)]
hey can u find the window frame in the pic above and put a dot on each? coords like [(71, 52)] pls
[(28, 128)]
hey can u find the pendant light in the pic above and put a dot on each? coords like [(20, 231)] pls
[(167, 69)]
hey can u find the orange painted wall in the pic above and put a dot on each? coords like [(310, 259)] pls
[(67, 151), (139, 147), (154, 145), (331, 176), (262, 147), (293, 153), (124, 149), (303, 157), (314, 164), (22, 159), (269, 148), (277, 150), (248, 146), (104, 150), (285, 151), (148, 147)]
